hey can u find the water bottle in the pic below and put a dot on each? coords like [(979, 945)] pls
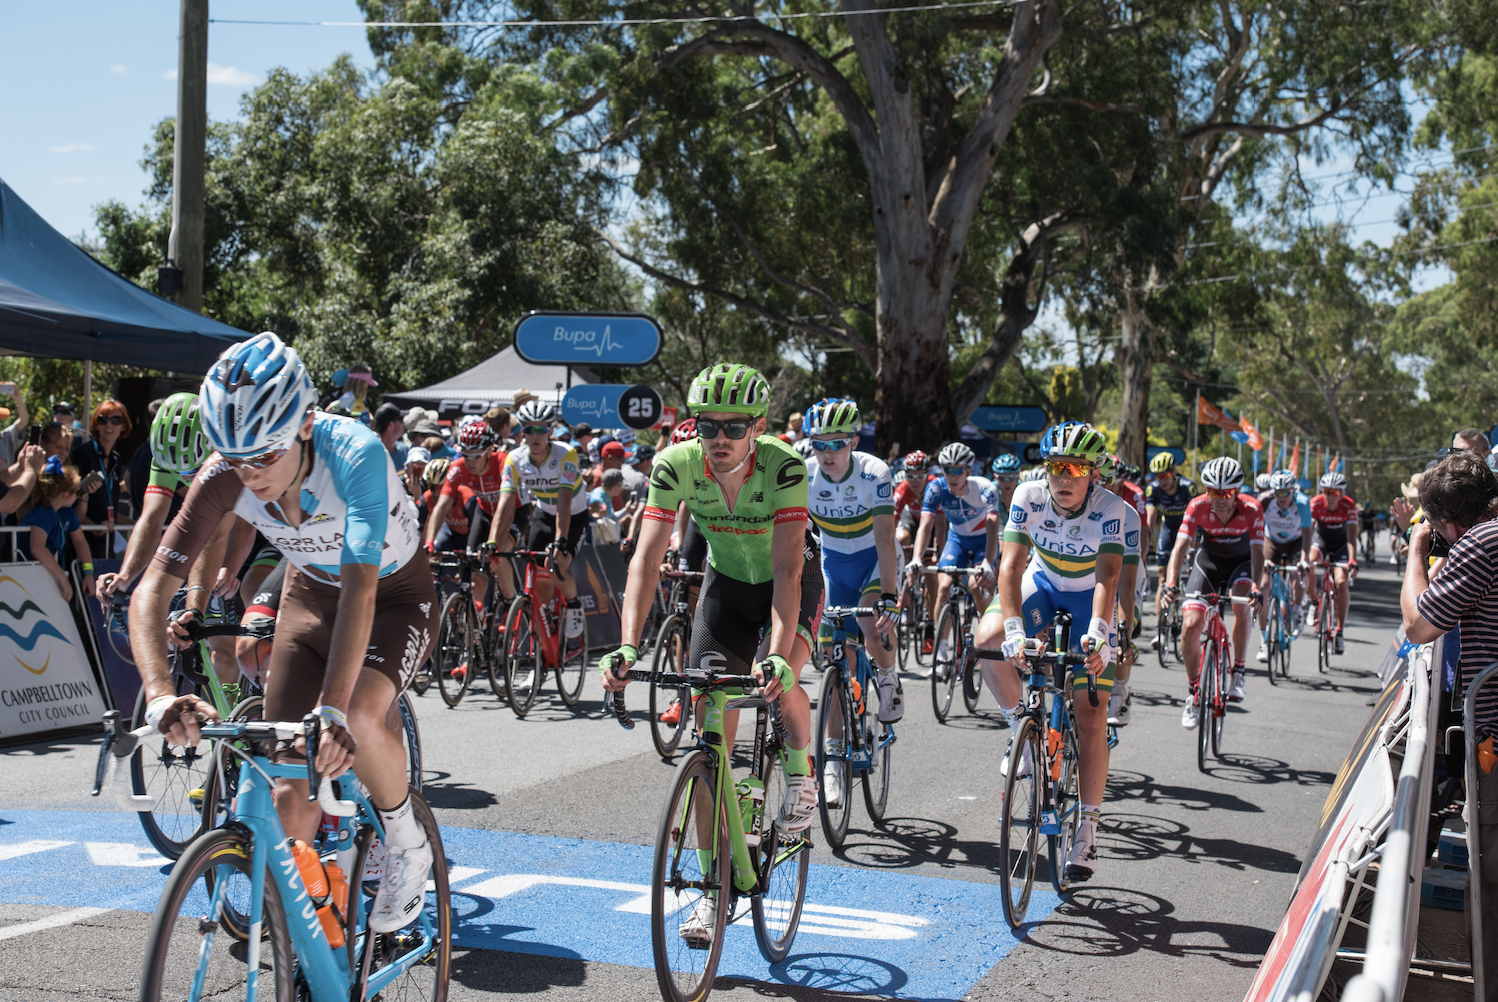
[(315, 880)]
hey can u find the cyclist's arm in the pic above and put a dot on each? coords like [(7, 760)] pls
[(1256, 554), (889, 560), (241, 541), (991, 544), (1108, 570), (923, 534), (1305, 544), (1177, 557), (204, 573), (145, 536), (438, 517), (504, 517), (1154, 518), (644, 575), (1013, 557), (358, 583), (1127, 576), (787, 558)]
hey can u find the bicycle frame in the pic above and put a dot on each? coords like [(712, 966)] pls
[(550, 642), (859, 759)]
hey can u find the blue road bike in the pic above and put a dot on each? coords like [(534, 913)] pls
[(851, 743), (236, 921), (1279, 632)]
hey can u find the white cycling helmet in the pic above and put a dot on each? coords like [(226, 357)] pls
[(803, 446), (534, 412), (254, 398), (1032, 474), (1335, 480), (1284, 480), (1262, 482), (1222, 474), (956, 454)]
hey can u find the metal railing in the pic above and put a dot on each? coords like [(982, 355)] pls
[(1474, 826)]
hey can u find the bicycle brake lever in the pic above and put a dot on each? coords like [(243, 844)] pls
[(312, 730)]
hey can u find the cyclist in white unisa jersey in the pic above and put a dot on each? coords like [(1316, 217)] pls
[(1077, 531), (851, 499)]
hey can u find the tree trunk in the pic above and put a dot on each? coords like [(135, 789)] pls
[(1135, 360), (913, 399)]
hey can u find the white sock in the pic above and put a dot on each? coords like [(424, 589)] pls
[(401, 829), (1011, 713), (1089, 814)]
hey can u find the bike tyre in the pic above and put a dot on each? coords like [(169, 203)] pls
[(667, 658), (523, 671), (1204, 703), (677, 816), (1273, 637), (876, 778), (1067, 800), (168, 837), (411, 737), (834, 692), (572, 662), (948, 625), (1219, 703), (1323, 634), (782, 879), (972, 684), (1017, 882), (455, 647)]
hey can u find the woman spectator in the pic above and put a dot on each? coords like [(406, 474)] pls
[(100, 495)]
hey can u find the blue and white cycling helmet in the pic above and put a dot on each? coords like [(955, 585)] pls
[(254, 398), (1282, 480), (1008, 463), (1074, 440), (832, 415)]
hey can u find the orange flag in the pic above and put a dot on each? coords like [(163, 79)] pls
[(1295, 459), (1255, 440), (1208, 414)]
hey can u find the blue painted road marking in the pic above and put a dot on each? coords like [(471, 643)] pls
[(862, 930)]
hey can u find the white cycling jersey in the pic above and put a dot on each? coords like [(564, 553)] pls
[(543, 484), (967, 513), (1283, 525), (844, 510), (1065, 549)]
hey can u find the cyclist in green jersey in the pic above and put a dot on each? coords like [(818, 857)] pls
[(747, 492)]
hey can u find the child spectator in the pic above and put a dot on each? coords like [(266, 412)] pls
[(53, 521)]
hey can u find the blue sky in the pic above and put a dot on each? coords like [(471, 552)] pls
[(86, 83)]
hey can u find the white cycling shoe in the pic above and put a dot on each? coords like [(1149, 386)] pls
[(402, 888), (697, 930), (891, 698), (1298, 619), (1026, 762), (573, 622), (1263, 656), (832, 777), (1189, 716), (1340, 644), (1081, 864), (1119, 713), (800, 805), (1236, 687)]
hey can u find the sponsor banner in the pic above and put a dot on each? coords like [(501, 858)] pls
[(595, 592), (588, 339), (1019, 419), (46, 682)]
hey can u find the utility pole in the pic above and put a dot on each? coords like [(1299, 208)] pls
[(184, 272)]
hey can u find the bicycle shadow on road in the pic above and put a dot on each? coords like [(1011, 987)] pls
[(905, 843), (499, 971), (1143, 837), (441, 793), (1131, 787), (1236, 767)]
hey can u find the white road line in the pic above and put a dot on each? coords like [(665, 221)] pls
[(51, 921)]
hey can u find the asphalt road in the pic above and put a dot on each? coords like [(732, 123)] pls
[(1196, 868)]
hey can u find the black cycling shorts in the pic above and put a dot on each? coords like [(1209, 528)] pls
[(543, 530), (732, 615), (1286, 554), (267, 598), (693, 553), (910, 520), (1332, 544), (1209, 576)]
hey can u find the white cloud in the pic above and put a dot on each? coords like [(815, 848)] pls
[(78, 180), (118, 70), (230, 75), (74, 148)]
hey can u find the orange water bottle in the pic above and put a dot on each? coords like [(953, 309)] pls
[(315, 879)]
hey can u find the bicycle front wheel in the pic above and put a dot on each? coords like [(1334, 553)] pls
[(191, 953), (972, 685), (1066, 801), (1205, 680), (1274, 637), (945, 661), (671, 650), (784, 864), (176, 776), (522, 658), (1323, 633), (411, 733), (834, 741), (1162, 634), (1219, 700), (453, 656), (1019, 822), (689, 885), (572, 665)]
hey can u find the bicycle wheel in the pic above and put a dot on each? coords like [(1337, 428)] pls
[(495, 645), (1219, 701), (972, 684), (1287, 638), (429, 935), (904, 626), (188, 940), (1204, 703), (411, 734), (117, 632), (1019, 823), (1272, 638), (522, 658), (922, 623), (944, 661), (1175, 633), (671, 649), (784, 864), (1162, 629), (879, 740), (572, 668), (455, 648), (1323, 633), (689, 884), (176, 776), (1066, 800), (832, 754)]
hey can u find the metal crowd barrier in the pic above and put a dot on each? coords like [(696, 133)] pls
[(1474, 825)]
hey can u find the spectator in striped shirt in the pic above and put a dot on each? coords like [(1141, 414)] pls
[(1459, 496)]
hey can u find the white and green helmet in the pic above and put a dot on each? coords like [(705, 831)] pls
[(830, 415), (1074, 440), (730, 387), (177, 440)]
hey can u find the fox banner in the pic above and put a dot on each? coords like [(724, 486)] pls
[(46, 682)]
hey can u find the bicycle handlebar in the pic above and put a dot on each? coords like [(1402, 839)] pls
[(697, 680), (1214, 597), (1034, 651), (841, 612)]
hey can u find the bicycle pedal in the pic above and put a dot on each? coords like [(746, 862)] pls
[(1049, 824)]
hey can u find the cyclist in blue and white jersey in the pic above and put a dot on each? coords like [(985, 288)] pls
[(1130, 590), (971, 506), (1076, 530), (1287, 540), (1006, 469), (357, 613)]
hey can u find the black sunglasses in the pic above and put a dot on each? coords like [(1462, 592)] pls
[(708, 428)]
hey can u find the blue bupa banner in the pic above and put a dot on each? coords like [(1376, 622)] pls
[(1020, 419), (596, 404), (588, 338)]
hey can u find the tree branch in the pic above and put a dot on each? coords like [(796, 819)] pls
[(1259, 129), (1080, 102)]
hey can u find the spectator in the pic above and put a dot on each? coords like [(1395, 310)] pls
[(437, 446), (416, 466), (608, 506), (1458, 498), (643, 460), (356, 383), (100, 496), (792, 433), (1474, 440), (583, 436), (21, 479), (389, 426), (57, 440), (140, 463), (499, 421), (53, 522), (611, 457), (14, 436)]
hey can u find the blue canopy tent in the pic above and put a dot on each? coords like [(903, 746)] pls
[(58, 302)]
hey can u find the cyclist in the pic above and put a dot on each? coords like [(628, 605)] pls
[(1231, 559), (1005, 478), (970, 505), (1262, 485), (909, 493), (1165, 507), (748, 492), (1335, 517), (1287, 542), (852, 502), (357, 612), (1063, 550), (546, 474), (1130, 586), (479, 468)]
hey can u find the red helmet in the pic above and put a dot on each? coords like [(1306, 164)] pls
[(474, 434), (685, 430), (917, 460)]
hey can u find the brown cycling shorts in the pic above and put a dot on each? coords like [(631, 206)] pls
[(405, 625)]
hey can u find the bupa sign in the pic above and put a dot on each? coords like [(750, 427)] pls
[(604, 405), (588, 338)]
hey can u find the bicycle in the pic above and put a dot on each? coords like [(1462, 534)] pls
[(954, 629), (466, 638), (718, 843), (1046, 800), (862, 747), (1213, 677), (117, 626), (1279, 632), (533, 637), (1168, 628), (908, 625), (1326, 613), (673, 648), (210, 941)]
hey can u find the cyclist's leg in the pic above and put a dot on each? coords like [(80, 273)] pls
[(1240, 581), (1342, 590), (843, 574), (1316, 558), (539, 535), (252, 653), (692, 557), (1092, 737), (478, 535), (1194, 617), (575, 530)]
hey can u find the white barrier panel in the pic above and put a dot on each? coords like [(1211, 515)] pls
[(46, 682)]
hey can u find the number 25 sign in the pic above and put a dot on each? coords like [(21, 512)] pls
[(604, 405)]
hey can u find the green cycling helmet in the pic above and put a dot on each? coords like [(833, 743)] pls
[(830, 415), (177, 440), (1163, 462), (730, 387), (1074, 440)]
